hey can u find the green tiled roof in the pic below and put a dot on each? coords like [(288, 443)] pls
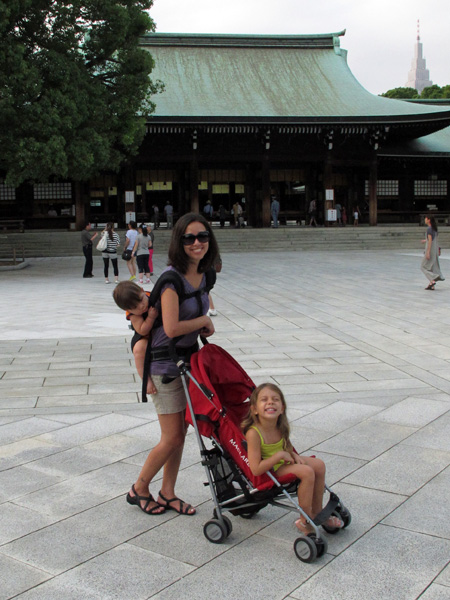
[(275, 78), (437, 144)]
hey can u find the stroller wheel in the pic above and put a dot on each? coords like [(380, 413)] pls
[(321, 544), (215, 531), (228, 524), (226, 520), (305, 549)]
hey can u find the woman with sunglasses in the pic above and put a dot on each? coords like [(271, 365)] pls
[(193, 251)]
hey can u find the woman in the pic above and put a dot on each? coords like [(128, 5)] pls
[(193, 251), (113, 242), (150, 249), (430, 264), (129, 245), (141, 251)]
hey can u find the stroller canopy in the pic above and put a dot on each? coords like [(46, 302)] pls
[(213, 367)]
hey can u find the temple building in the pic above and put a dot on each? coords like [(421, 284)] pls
[(245, 117), (419, 75)]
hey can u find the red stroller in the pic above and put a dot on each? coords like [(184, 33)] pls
[(217, 392)]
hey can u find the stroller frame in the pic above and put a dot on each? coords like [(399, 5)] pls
[(240, 497)]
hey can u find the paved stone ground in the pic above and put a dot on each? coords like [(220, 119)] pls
[(362, 353)]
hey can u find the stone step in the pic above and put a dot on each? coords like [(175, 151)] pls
[(67, 243)]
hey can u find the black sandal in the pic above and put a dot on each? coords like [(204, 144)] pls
[(184, 508), (431, 286), (136, 499)]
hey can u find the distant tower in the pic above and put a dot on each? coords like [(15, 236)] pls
[(419, 75)]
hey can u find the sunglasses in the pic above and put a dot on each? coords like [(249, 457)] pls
[(189, 238)]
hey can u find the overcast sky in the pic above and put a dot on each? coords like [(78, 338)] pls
[(380, 34)]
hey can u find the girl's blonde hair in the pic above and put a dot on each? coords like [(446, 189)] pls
[(282, 422)]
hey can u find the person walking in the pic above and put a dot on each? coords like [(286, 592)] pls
[(312, 213), (338, 209), (113, 242), (141, 251), (430, 263), (155, 216), (130, 239), (208, 211), (168, 211), (275, 210), (222, 215), (237, 212), (150, 249), (86, 241)]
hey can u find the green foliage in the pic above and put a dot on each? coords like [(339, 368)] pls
[(436, 92), (75, 89), (401, 92), (431, 92)]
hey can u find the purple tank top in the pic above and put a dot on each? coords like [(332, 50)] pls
[(188, 310)]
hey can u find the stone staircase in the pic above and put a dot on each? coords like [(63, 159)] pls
[(67, 243)]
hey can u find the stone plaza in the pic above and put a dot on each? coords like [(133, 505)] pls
[(362, 353)]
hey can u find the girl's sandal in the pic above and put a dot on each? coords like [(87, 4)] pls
[(303, 526), (334, 522), (431, 286)]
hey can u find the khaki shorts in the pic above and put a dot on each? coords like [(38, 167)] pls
[(170, 398)]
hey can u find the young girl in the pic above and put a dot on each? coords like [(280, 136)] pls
[(266, 430)]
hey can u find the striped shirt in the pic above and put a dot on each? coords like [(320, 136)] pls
[(111, 248)]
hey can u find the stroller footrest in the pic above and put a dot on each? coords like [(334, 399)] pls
[(327, 510)]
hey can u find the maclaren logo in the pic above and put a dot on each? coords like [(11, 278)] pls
[(242, 454)]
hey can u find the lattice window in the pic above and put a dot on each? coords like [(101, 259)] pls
[(52, 191), (430, 187), (7, 194), (385, 187)]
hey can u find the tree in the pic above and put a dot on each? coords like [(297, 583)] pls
[(432, 91), (75, 89), (401, 93)]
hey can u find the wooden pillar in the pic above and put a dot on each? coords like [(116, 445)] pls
[(181, 192), (373, 205), (250, 196), (327, 185), (80, 209), (265, 176), (193, 183)]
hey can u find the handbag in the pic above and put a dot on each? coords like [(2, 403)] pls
[(126, 255), (102, 243)]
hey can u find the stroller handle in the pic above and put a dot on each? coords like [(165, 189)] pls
[(178, 360)]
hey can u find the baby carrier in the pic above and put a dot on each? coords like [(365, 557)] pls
[(217, 392)]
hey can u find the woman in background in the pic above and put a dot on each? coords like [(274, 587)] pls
[(430, 263), (110, 252)]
